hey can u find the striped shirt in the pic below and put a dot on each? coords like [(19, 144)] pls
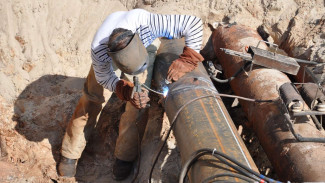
[(149, 26)]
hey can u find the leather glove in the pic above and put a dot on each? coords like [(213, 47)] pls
[(140, 99), (186, 62), (124, 90)]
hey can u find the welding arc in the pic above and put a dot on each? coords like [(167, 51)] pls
[(241, 168), (145, 86)]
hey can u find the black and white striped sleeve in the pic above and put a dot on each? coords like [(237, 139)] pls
[(177, 26), (103, 68)]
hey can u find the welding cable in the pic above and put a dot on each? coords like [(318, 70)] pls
[(223, 157), (297, 136), (242, 177), (197, 154), (176, 115), (170, 129), (242, 98), (232, 77), (217, 94), (317, 123)]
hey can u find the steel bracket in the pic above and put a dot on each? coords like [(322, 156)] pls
[(273, 60)]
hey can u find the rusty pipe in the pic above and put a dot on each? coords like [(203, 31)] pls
[(204, 123), (292, 160)]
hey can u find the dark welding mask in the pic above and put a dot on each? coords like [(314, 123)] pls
[(133, 59)]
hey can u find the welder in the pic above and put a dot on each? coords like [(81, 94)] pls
[(119, 49)]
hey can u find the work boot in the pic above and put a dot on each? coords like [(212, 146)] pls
[(67, 167), (122, 169)]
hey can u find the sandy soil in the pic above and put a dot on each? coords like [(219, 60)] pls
[(44, 57)]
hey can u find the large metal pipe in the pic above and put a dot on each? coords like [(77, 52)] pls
[(204, 123), (292, 160)]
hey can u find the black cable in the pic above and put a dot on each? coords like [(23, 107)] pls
[(218, 154), (232, 77), (228, 175), (181, 108), (170, 129), (316, 121), (202, 152), (214, 78), (214, 152), (298, 137)]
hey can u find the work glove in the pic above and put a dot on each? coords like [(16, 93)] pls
[(186, 62), (124, 90)]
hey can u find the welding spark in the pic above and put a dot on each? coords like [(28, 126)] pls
[(165, 91)]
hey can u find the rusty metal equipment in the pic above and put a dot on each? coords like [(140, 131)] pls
[(203, 123), (312, 93), (311, 83), (315, 99), (270, 59), (267, 59), (282, 63), (293, 107), (292, 160), (273, 60), (313, 96), (291, 97)]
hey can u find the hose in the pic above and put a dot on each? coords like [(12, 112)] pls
[(232, 77)]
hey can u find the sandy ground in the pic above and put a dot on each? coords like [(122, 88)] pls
[(44, 58)]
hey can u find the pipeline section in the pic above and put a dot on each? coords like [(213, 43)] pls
[(204, 123), (291, 159)]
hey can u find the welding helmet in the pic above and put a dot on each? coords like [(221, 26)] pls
[(132, 59)]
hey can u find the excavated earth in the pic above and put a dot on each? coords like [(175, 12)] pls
[(45, 57)]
